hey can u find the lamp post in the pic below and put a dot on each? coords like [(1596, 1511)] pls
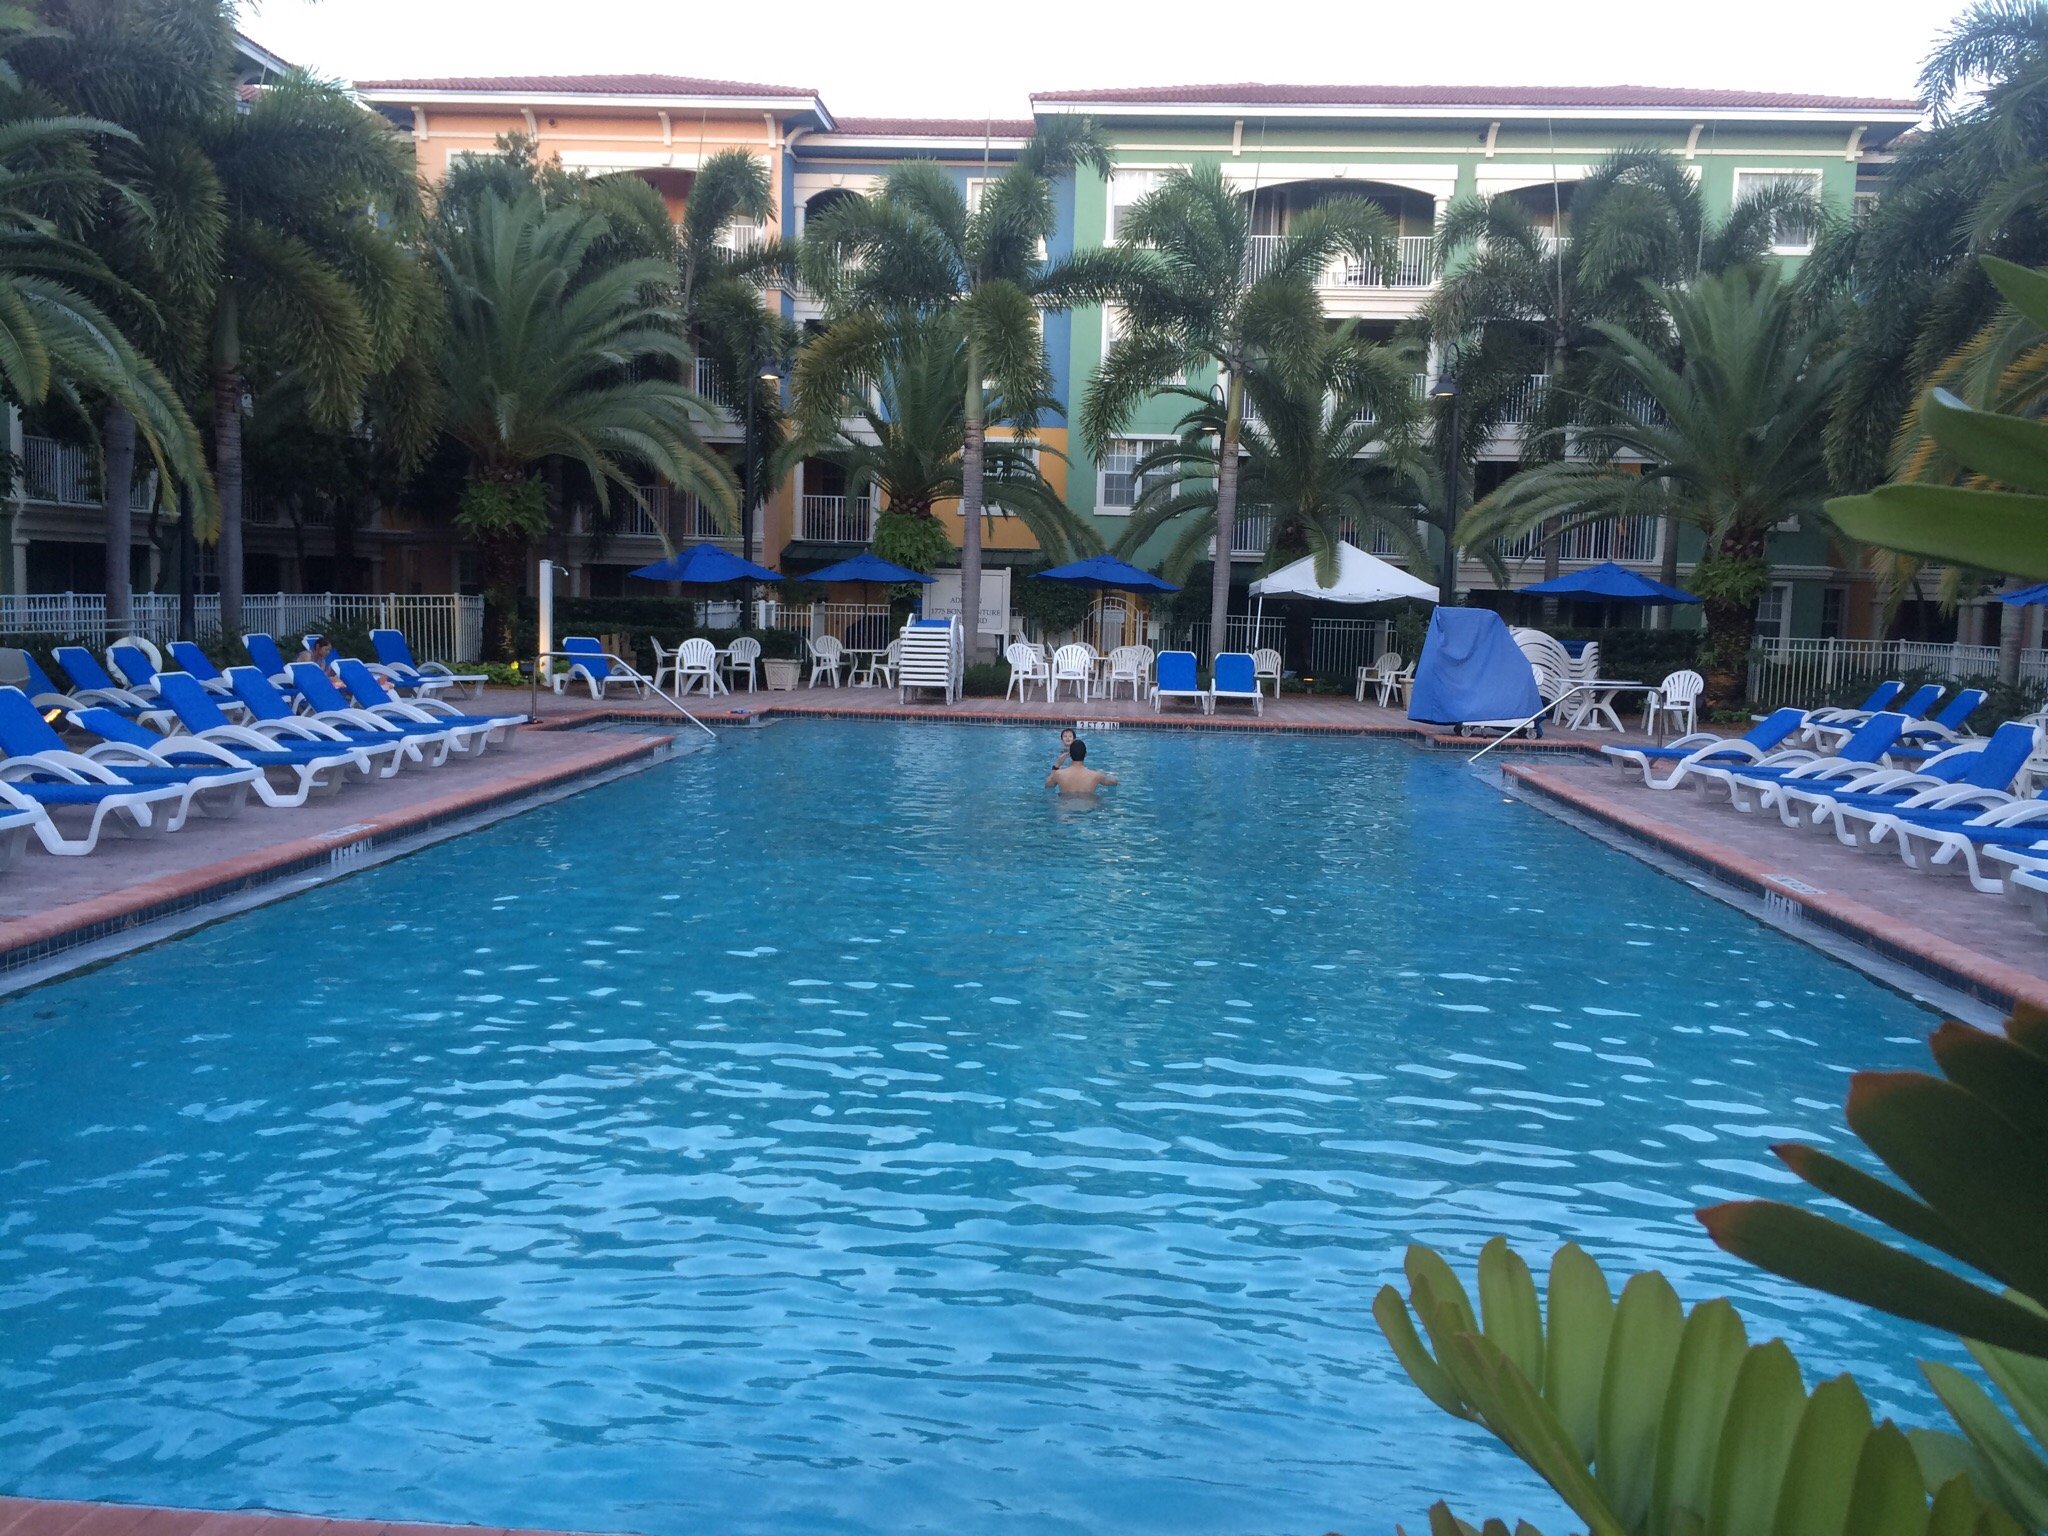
[(757, 375), (1446, 390)]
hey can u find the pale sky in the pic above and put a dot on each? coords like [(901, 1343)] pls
[(958, 58)]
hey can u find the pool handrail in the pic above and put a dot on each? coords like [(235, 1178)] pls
[(627, 669)]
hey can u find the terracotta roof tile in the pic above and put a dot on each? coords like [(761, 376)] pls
[(1254, 93), (589, 85), (937, 127)]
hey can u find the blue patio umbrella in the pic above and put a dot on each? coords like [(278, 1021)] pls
[(868, 566), (1106, 573), (704, 565), (1611, 583), (2035, 596)]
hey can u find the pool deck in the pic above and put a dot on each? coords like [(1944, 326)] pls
[(1986, 946), (62, 1517)]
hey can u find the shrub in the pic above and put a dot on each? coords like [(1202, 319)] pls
[(987, 680), (1647, 655), (1053, 606)]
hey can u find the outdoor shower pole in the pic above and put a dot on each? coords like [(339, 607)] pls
[(1446, 390), (188, 576)]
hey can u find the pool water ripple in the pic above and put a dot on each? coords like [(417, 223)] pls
[(829, 1132)]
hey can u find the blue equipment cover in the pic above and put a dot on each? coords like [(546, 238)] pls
[(1471, 670)]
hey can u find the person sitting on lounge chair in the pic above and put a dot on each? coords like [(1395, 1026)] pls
[(314, 648), (1077, 778)]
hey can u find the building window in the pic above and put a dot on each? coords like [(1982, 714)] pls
[(1834, 613), (1118, 485), (1774, 612), (1793, 233), (1126, 190)]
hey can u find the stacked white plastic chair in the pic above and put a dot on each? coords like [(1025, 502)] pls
[(1027, 666), (932, 658)]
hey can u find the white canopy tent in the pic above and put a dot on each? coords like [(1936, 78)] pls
[(1361, 578)]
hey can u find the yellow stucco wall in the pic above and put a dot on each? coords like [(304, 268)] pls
[(1010, 532)]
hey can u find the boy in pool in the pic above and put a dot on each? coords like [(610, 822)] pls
[(1076, 777), (1067, 738)]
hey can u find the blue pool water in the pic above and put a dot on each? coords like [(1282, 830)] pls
[(830, 1132)]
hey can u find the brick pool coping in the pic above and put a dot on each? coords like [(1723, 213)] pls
[(65, 1517), (28, 940), (1953, 965)]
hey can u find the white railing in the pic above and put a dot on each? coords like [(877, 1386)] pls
[(1629, 540), (1806, 671), (1525, 404), (1339, 647), (850, 623), (1414, 264), (839, 519), (715, 386), (1364, 416), (69, 476), (678, 516), (1249, 533), (441, 626)]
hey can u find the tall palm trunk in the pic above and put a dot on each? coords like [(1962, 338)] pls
[(970, 503), (1551, 552), (1667, 565), (1226, 508), (2011, 626), (227, 456), (1730, 613), (117, 474)]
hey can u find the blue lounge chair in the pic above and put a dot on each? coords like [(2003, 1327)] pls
[(396, 667), (1236, 676), (55, 701), (1934, 841), (1960, 775), (268, 659), (37, 802), (1704, 747), (322, 693), (199, 666), (1826, 733), (39, 764), (1945, 728), (1865, 748), (372, 695), (1175, 677), (273, 712), (16, 822), (132, 664), (87, 675), (1880, 698), (200, 713), (588, 661), (308, 774)]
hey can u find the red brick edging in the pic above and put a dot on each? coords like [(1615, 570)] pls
[(65, 1517)]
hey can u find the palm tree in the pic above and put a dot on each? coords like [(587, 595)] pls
[(1731, 446), (916, 244), (62, 306), (162, 69), (1336, 461), (546, 353), (1972, 185), (1518, 301), (910, 430), (312, 281), (1194, 298)]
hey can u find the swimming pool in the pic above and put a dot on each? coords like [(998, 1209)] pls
[(832, 1132)]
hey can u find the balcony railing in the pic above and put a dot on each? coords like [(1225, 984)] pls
[(675, 515), (1630, 540), (839, 519), (1414, 265), (714, 386), (69, 476), (1365, 416)]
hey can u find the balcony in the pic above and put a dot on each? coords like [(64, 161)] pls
[(1418, 385), (1414, 266), (69, 476), (676, 516), (838, 519), (1629, 540)]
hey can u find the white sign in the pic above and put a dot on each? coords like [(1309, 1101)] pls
[(942, 600)]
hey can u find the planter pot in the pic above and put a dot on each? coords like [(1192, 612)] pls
[(782, 676)]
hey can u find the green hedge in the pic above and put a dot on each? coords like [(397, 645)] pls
[(1646, 655)]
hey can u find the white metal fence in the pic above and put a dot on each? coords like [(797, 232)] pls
[(1805, 671), (1635, 540), (839, 519), (440, 626), (852, 623), (1414, 264)]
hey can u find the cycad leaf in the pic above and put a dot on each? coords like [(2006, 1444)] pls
[(2022, 1478), (1811, 1250), (1889, 1499), (1710, 1355), (2025, 289), (1872, 1196), (1640, 1350), (1580, 1321), (2024, 1381), (1756, 1441), (1820, 1472), (1519, 1416), (1392, 1315), (1995, 1068), (1512, 1313), (1990, 530), (2012, 450)]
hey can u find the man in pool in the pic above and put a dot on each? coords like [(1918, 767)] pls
[(1075, 777)]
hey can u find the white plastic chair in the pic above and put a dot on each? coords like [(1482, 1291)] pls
[(1072, 664), (826, 656), (1383, 676), (1127, 665), (1265, 665), (1027, 666), (1148, 660), (665, 662), (739, 658), (883, 669), (1677, 700), (697, 662)]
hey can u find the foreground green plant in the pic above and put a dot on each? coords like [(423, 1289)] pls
[(1647, 1418)]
